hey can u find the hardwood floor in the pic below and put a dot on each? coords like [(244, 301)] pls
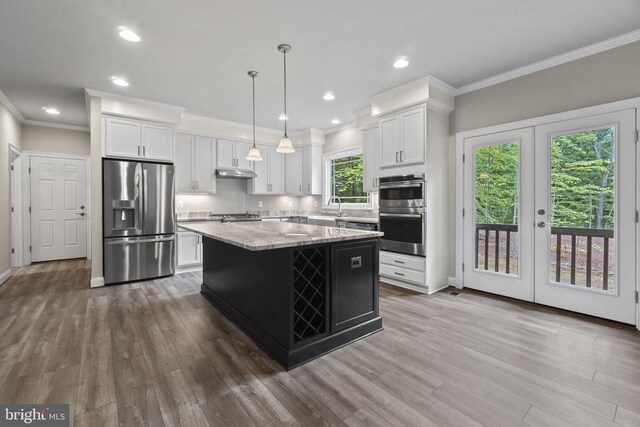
[(157, 353)]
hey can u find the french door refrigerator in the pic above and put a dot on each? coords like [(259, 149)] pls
[(138, 219)]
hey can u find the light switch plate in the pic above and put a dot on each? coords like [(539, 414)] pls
[(259, 203), (290, 204), (315, 203), (180, 204)]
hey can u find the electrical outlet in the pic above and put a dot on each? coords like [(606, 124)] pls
[(315, 203), (259, 203), (180, 204), (290, 204)]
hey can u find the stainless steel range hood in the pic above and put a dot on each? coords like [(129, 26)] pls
[(235, 173)]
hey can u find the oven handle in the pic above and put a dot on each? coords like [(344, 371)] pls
[(401, 184), (402, 215)]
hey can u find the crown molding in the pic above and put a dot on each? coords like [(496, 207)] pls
[(55, 125), (340, 127), (12, 108), (231, 124), (563, 58), (118, 97)]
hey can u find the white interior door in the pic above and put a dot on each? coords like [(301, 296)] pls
[(58, 208), (498, 205), (585, 215)]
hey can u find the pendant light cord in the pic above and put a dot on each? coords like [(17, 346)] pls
[(253, 80), (285, 92)]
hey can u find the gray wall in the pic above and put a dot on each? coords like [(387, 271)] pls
[(605, 77), (54, 140)]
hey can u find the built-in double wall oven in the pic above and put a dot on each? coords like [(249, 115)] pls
[(402, 214)]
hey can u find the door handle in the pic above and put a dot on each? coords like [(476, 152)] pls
[(396, 157), (541, 224), (401, 155), (80, 213)]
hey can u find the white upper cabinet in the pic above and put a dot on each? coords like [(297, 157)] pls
[(204, 160), (226, 154), (233, 154), (157, 142), (184, 163), (138, 140), (270, 171), (370, 160), (304, 171), (403, 139), (195, 164), (293, 174), (122, 137), (242, 151)]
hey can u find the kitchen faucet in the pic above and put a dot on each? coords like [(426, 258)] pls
[(339, 204)]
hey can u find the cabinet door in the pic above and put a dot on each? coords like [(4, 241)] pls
[(276, 171), (225, 153), (354, 283), (203, 164), (242, 151), (389, 142), (184, 163), (413, 136), (261, 182), (307, 171), (370, 161), (157, 142), (189, 252), (122, 138), (293, 174)]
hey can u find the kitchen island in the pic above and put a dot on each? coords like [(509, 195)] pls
[(298, 290)]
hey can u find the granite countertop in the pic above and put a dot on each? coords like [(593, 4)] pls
[(259, 236)]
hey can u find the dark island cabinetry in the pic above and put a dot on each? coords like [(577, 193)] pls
[(296, 302)]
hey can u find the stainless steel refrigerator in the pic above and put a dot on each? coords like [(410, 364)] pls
[(139, 220)]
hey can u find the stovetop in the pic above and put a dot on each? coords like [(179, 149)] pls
[(244, 217)]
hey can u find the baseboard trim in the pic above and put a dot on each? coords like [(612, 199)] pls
[(97, 282), (180, 270), (5, 276)]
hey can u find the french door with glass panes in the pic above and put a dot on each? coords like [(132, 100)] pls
[(550, 214)]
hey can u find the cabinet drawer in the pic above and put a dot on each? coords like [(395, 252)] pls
[(404, 274), (405, 261)]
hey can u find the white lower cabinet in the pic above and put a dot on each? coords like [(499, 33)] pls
[(406, 268), (189, 249)]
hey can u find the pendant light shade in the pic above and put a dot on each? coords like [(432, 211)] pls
[(285, 145), (254, 153)]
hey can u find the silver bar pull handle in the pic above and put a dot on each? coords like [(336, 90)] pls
[(144, 151), (401, 155), (398, 273), (401, 215), (396, 157)]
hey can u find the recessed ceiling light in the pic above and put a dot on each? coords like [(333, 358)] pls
[(401, 62), (283, 117), (329, 96), (51, 110), (128, 35), (119, 81), (335, 122)]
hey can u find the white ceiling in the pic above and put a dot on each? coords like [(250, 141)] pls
[(196, 53)]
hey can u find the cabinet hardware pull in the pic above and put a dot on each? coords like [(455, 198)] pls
[(309, 188), (138, 151), (401, 155), (396, 157), (144, 151), (197, 185), (398, 274), (398, 261)]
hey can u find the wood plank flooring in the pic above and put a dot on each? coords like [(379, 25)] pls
[(157, 353)]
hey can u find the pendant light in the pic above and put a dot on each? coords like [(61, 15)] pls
[(254, 153), (285, 145)]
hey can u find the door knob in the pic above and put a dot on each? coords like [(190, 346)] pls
[(541, 212), (541, 224), (81, 213), (82, 207)]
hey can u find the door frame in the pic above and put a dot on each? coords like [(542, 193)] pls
[(16, 158), (27, 196), (532, 122)]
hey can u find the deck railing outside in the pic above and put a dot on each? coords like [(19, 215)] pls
[(495, 243)]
